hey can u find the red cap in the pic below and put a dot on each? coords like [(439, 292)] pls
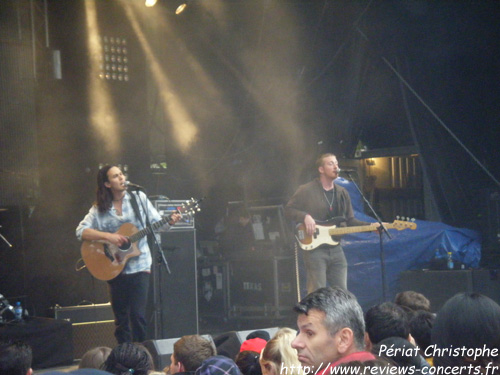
[(255, 345)]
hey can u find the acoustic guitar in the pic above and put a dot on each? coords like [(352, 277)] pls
[(105, 261)]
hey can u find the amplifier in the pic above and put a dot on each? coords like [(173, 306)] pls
[(168, 207), (92, 325), (84, 313), (87, 336)]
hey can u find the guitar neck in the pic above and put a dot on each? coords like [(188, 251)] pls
[(148, 230), (362, 228)]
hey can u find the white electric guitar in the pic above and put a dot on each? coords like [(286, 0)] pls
[(324, 234)]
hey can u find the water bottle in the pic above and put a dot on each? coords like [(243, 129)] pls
[(18, 311), (449, 263)]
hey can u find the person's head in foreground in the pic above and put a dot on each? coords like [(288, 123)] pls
[(278, 357), (468, 322), (331, 326)]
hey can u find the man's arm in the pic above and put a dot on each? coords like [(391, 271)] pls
[(90, 234), (294, 211)]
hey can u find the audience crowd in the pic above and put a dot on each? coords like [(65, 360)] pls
[(333, 336)]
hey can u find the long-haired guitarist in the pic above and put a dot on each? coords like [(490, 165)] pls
[(112, 211), (322, 200)]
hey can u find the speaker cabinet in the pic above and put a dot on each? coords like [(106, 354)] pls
[(161, 350), (93, 325), (213, 286), (439, 286), (264, 286), (92, 334), (229, 343), (173, 298)]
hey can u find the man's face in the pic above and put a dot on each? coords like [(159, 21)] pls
[(116, 179), (315, 346), (330, 167), (174, 366)]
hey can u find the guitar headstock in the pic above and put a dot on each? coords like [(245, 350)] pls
[(402, 224), (191, 206)]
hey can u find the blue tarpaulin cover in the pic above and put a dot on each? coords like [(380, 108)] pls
[(408, 249)]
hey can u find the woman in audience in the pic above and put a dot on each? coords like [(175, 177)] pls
[(129, 359), (465, 333), (95, 357), (278, 357)]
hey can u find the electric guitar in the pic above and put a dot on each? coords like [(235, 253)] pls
[(323, 235), (105, 261)]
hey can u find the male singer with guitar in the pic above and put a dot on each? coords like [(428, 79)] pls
[(112, 209), (321, 200)]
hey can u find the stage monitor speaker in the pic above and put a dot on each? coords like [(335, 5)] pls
[(487, 282), (437, 286), (176, 295), (161, 350), (229, 343)]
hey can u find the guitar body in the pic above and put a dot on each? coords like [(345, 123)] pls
[(105, 261), (321, 236)]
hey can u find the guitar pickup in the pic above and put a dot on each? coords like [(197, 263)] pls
[(300, 235)]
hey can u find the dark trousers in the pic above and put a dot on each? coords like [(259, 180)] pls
[(129, 296)]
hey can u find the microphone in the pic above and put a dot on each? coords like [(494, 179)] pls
[(346, 170), (129, 184)]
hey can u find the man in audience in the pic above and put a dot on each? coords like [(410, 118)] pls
[(331, 330), (218, 365), (386, 320), (189, 353), (15, 358), (412, 301), (421, 323)]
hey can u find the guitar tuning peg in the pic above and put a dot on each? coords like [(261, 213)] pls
[(407, 219), (397, 217), (413, 219)]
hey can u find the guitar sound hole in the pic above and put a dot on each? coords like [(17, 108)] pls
[(125, 246)]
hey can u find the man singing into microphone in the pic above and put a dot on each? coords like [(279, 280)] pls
[(321, 200), (113, 208)]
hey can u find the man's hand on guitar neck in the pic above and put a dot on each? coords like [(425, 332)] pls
[(174, 218)]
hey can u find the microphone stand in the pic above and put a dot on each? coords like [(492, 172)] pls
[(158, 258), (5, 239), (381, 230)]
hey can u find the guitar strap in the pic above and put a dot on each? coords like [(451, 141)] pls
[(135, 206)]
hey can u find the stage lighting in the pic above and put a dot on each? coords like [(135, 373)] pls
[(180, 8), (113, 63), (150, 3)]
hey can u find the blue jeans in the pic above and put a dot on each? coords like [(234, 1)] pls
[(129, 296), (325, 266)]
